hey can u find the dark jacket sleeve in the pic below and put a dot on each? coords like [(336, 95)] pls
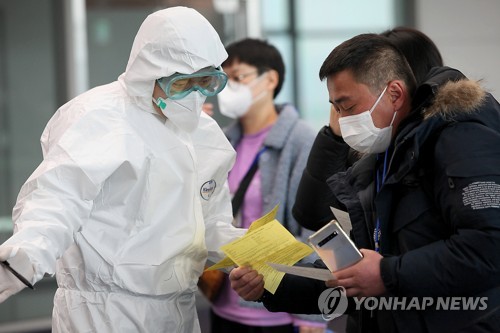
[(296, 294), (329, 155)]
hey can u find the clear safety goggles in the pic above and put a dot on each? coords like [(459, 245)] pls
[(209, 82)]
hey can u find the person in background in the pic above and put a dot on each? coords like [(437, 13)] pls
[(425, 212), (419, 50), (132, 191), (330, 154), (277, 142)]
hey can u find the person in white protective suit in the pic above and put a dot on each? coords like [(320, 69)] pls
[(132, 192)]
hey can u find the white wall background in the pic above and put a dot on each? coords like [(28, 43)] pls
[(467, 32)]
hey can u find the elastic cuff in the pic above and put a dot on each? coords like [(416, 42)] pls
[(388, 273), (265, 295)]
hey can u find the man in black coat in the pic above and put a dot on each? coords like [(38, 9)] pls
[(424, 200), (330, 154)]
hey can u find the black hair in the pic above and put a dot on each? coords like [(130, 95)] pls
[(258, 53), (372, 59), (419, 50)]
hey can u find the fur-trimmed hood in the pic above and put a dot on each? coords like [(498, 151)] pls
[(455, 97), (448, 94), (445, 98)]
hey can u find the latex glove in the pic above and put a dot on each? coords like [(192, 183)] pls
[(9, 283)]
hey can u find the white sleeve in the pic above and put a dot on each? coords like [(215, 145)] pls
[(51, 206), (218, 228)]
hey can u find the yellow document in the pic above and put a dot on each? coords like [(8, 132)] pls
[(264, 219), (227, 262), (270, 242)]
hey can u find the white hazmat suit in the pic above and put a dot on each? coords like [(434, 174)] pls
[(125, 205)]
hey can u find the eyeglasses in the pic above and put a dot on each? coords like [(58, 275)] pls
[(241, 77), (207, 81)]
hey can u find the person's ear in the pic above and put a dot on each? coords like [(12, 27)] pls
[(272, 79), (397, 93)]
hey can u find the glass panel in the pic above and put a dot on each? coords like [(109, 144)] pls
[(29, 86), (283, 44), (368, 16), (27, 101), (109, 38), (5, 201), (274, 14), (313, 95)]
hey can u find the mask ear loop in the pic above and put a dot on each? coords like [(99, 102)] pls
[(378, 100), (393, 117), (395, 113)]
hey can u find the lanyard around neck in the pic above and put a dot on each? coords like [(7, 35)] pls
[(380, 182)]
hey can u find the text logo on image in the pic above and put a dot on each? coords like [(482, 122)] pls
[(332, 303)]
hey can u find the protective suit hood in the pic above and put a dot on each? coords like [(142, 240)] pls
[(172, 40)]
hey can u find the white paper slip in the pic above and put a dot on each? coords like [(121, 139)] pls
[(308, 272), (343, 219)]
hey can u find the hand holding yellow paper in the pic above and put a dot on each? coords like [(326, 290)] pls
[(270, 242), (227, 262)]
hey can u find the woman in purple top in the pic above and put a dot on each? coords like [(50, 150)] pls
[(282, 141)]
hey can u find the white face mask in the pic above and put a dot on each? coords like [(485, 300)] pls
[(360, 133), (184, 113), (236, 98)]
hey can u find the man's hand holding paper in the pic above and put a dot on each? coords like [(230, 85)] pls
[(270, 242), (227, 263)]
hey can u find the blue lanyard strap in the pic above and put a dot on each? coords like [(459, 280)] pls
[(380, 182)]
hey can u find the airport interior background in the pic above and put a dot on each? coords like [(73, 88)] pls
[(52, 50)]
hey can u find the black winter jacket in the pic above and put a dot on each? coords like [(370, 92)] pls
[(439, 210)]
